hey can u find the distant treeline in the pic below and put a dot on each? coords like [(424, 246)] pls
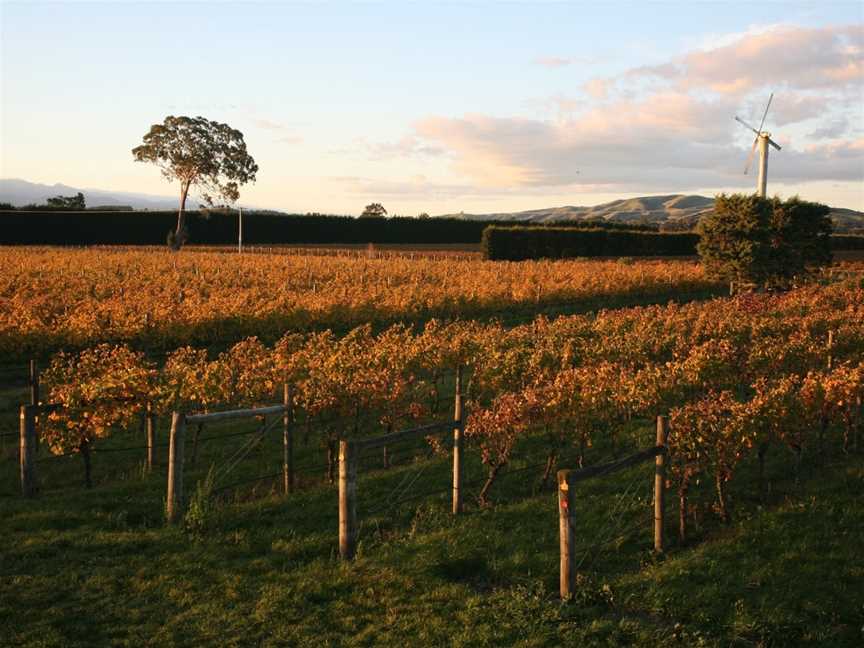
[(217, 227), (516, 243)]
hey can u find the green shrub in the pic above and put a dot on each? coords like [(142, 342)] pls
[(765, 241)]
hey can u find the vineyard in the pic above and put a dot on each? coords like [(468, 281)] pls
[(762, 392), (54, 299), (735, 376)]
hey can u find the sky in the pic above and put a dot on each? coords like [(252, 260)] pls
[(442, 107)]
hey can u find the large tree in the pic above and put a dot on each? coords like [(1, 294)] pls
[(374, 210), (199, 153)]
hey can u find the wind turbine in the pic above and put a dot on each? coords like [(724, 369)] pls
[(763, 139)]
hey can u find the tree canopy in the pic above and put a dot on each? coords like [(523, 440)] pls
[(374, 210), (205, 155), (67, 202), (765, 241)]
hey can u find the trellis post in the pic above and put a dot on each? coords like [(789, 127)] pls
[(457, 444), (567, 533), (176, 444), (660, 483), (347, 499), (27, 443)]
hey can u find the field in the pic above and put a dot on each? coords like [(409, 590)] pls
[(762, 394), (65, 298)]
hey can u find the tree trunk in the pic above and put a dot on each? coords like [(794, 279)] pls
[(720, 485), (181, 213), (331, 461), (682, 508), (490, 479), (797, 470), (84, 449), (580, 460), (763, 450), (550, 465)]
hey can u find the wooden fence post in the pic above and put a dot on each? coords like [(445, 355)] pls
[(150, 426), (176, 443), (830, 349), (27, 441), (457, 444), (660, 484), (288, 439), (347, 499), (566, 533)]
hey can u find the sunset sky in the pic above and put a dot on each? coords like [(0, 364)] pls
[(443, 107)]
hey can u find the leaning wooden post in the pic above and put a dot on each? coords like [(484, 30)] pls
[(347, 499), (457, 444), (176, 444), (150, 425), (27, 442), (567, 533), (660, 484), (288, 440)]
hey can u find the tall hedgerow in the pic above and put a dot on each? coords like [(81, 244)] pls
[(766, 241)]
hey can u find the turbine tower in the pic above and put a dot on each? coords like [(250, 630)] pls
[(763, 139)]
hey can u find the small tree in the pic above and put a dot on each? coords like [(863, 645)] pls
[(198, 153), (765, 241), (374, 210), (67, 202)]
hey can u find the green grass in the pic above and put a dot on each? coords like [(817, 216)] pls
[(100, 568)]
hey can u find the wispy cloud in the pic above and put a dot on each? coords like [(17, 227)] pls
[(268, 124), (560, 61)]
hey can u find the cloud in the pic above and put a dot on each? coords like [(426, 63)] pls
[(597, 88), (290, 139), (408, 146), (552, 61), (830, 130), (267, 124), (782, 56), (415, 187), (670, 126)]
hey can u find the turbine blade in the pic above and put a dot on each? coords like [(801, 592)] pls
[(741, 121), (765, 114), (774, 144), (750, 157)]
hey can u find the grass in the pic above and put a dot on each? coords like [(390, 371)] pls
[(99, 568)]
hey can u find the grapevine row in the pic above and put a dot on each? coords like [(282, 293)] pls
[(53, 299), (735, 376)]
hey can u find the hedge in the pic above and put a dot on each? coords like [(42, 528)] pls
[(847, 242), (521, 242), (49, 227)]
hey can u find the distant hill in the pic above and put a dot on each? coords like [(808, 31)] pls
[(674, 210), (20, 193)]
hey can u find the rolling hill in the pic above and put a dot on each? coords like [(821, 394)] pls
[(676, 210)]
